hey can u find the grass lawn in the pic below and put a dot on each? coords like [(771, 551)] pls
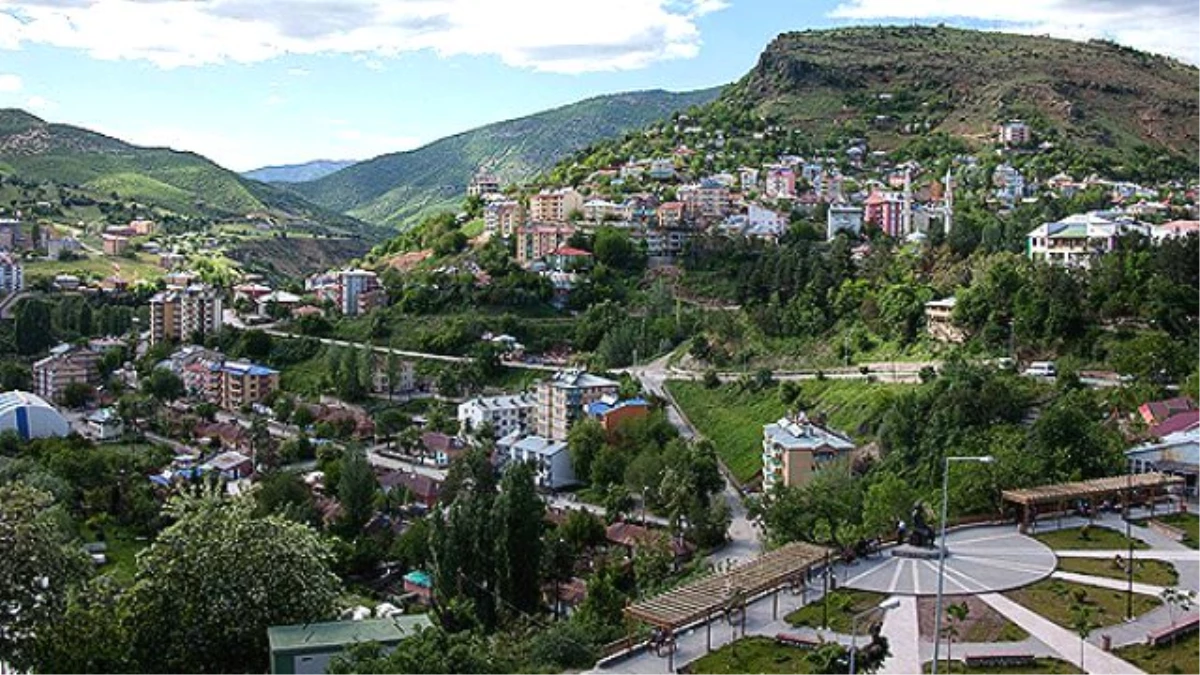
[(1043, 665), (145, 267), (983, 624), (1181, 657), (1053, 599), (843, 605), (733, 418), (1097, 539), (753, 655), (1154, 572), (1188, 522), (123, 547)]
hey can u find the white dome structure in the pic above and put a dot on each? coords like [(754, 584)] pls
[(31, 416)]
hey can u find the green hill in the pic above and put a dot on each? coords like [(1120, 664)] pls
[(182, 182), (935, 89), (395, 189)]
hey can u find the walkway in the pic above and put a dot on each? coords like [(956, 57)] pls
[(1061, 640), (900, 627), (1107, 582)]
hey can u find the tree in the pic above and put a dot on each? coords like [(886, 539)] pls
[(585, 440), (430, 650), (212, 583), (887, 502), (1082, 622), (582, 530), (77, 394), (957, 613), (90, 636), (284, 494), (357, 490), (38, 571), (163, 385), (519, 513), (1176, 599), (32, 329)]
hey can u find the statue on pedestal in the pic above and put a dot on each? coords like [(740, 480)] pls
[(920, 534)]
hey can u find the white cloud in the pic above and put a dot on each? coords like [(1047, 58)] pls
[(40, 103), (1170, 27), (566, 36), (275, 99), (9, 83), (298, 72)]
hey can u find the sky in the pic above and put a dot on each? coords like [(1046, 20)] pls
[(250, 83)]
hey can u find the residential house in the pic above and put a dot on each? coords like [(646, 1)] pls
[(11, 236), (1174, 228), (1169, 416), (1177, 453), (67, 282), (562, 398), (551, 459), (281, 299), (795, 448), (142, 227), (66, 365), (748, 178), (230, 465), (56, 247), (483, 183), (234, 384), (115, 244), (1014, 133), (780, 182), (104, 425), (569, 259), (12, 273), (179, 313), (670, 215), (404, 373), (1075, 240), (1009, 183), (310, 648), (420, 584), (939, 321), (506, 414), (443, 448), (662, 169), (423, 489), (611, 411), (843, 218), (632, 537)]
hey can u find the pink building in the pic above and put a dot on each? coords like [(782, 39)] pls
[(886, 211)]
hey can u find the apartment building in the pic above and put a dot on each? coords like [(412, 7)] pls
[(885, 210), (115, 244), (563, 398), (554, 206), (551, 459), (502, 218), (795, 448), (781, 182), (707, 200), (12, 273), (66, 365), (1014, 132), (358, 292), (537, 241), (233, 384), (483, 183), (670, 215), (179, 313), (506, 414)]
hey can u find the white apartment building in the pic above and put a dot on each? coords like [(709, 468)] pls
[(506, 414), (562, 399), (502, 218), (550, 458)]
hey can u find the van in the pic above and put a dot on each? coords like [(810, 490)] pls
[(1041, 369)]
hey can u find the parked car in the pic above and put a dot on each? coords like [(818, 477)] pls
[(1041, 369)]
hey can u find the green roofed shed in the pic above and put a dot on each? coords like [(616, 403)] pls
[(309, 648)]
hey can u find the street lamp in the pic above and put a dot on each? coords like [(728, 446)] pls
[(937, 617), (885, 606)]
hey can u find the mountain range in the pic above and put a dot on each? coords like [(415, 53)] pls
[(183, 182), (297, 173), (398, 188)]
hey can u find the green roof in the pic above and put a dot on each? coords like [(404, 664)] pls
[(336, 634)]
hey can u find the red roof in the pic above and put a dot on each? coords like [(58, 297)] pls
[(1177, 422), (1156, 412), (672, 206), (572, 252)]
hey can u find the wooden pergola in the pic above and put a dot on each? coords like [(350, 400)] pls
[(1056, 498), (726, 594)]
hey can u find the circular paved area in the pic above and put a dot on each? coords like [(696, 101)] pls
[(980, 560)]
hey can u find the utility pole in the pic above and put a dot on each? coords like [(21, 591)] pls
[(1129, 538)]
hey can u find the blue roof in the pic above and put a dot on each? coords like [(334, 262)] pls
[(420, 578), (239, 368), (601, 407)]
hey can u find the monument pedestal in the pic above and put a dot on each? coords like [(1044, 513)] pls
[(916, 552)]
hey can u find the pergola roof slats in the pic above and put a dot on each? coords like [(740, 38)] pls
[(1061, 492), (703, 597)]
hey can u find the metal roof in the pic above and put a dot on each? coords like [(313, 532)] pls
[(338, 634)]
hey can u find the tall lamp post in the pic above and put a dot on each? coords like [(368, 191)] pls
[(937, 617), (885, 606)]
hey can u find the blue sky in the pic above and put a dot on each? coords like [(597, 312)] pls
[(254, 82)]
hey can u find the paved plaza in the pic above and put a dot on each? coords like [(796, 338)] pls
[(978, 560), (982, 561)]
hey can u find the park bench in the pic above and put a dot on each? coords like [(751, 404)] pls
[(1002, 660), (1185, 627), (800, 641)]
